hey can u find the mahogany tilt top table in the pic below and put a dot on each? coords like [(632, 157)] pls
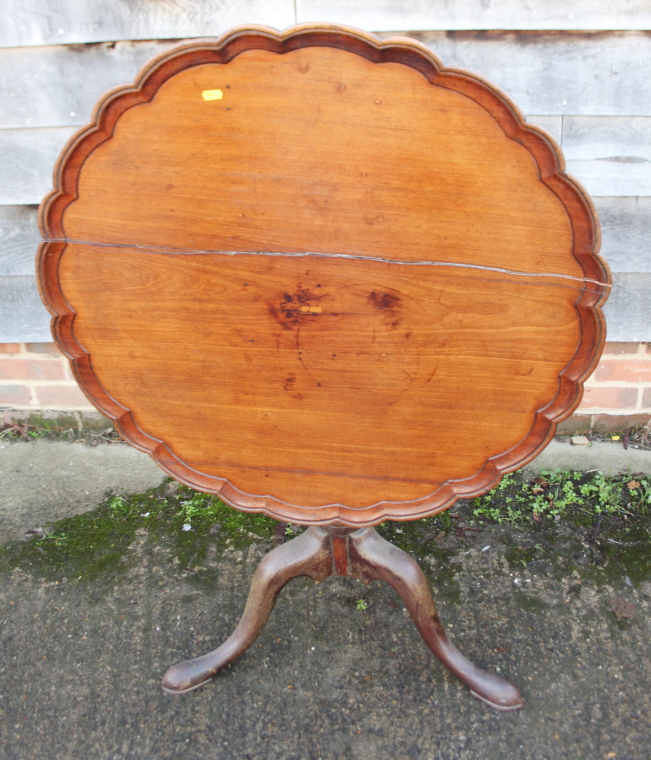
[(328, 251)]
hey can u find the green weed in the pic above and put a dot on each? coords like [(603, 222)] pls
[(555, 493)]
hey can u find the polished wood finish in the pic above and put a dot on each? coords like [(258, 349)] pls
[(362, 554), (367, 286)]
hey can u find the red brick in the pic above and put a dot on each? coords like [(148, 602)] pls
[(42, 348), (13, 369), (14, 394), (620, 348), (646, 398), (628, 370), (617, 423), (60, 395), (31, 369), (46, 370), (9, 348), (609, 398)]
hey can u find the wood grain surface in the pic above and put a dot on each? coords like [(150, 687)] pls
[(619, 166), (625, 224), (323, 152), (362, 276)]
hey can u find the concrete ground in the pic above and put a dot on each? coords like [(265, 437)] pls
[(43, 481), (327, 679)]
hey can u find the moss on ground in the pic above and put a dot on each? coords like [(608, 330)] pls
[(561, 520), (598, 525), (94, 546)]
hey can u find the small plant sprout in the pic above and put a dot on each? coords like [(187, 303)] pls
[(361, 605), (554, 494), (196, 506)]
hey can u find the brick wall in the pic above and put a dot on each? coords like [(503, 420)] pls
[(36, 379), (618, 394)]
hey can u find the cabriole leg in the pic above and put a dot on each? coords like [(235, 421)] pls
[(308, 554), (371, 558)]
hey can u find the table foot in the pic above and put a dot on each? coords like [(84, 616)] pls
[(308, 554)]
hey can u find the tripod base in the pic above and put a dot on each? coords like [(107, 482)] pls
[(361, 554)]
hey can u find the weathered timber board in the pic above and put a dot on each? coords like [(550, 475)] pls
[(626, 234), (552, 124), (40, 22), (627, 310), (603, 138), (413, 15), (22, 314), (616, 176), (19, 240), (583, 73), (58, 85), (65, 21), (610, 154), (26, 160)]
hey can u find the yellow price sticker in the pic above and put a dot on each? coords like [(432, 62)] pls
[(212, 94)]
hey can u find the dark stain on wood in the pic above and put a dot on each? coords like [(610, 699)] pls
[(388, 304), (293, 309)]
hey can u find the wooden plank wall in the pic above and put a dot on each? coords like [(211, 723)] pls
[(581, 69)]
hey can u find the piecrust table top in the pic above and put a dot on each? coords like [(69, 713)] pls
[(321, 275)]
